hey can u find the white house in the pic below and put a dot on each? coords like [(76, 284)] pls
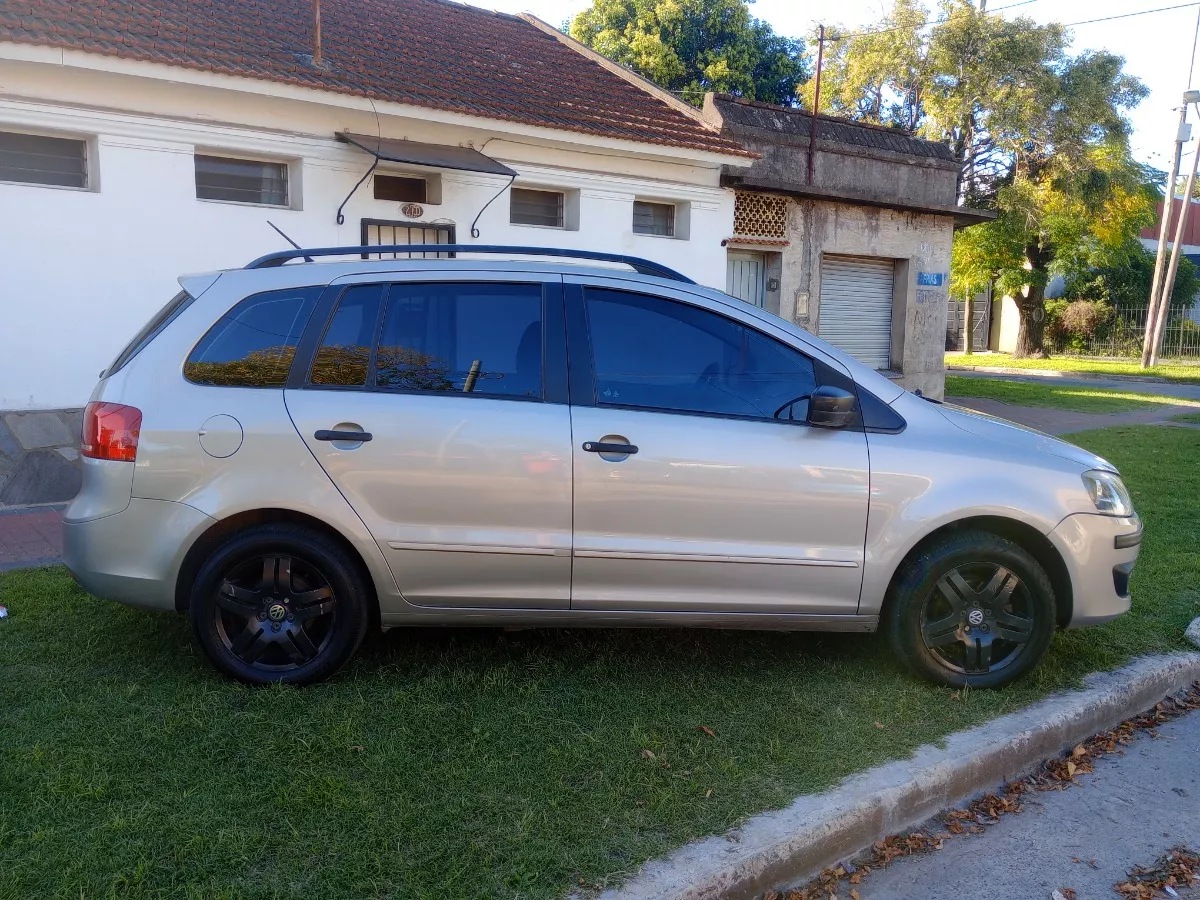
[(142, 139)]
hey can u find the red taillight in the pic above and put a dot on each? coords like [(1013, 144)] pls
[(110, 431)]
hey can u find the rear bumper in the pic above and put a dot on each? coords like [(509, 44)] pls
[(1099, 552), (133, 556)]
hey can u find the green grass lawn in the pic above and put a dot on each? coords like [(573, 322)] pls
[(459, 764), (1184, 373), (1188, 417), (1059, 396)]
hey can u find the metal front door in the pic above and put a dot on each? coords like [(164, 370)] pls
[(746, 276), (465, 479), (690, 494)]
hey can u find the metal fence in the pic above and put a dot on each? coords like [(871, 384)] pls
[(1122, 332)]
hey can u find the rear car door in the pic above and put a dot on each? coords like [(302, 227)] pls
[(437, 404), (698, 485)]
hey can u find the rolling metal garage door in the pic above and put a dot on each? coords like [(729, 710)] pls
[(856, 307)]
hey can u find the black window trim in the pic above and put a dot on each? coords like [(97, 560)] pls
[(173, 309), (582, 360), (554, 351)]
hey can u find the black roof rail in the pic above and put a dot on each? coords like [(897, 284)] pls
[(639, 265)]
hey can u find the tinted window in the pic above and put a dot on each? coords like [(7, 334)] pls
[(467, 338), (660, 354), (36, 159), (253, 344), (345, 351), (241, 180), (151, 330)]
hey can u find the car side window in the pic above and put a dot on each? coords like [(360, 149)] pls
[(253, 344), (472, 338), (654, 353), (345, 352)]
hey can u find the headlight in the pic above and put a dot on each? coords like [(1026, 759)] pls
[(1108, 492)]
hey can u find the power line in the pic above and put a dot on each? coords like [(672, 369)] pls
[(1140, 12), (853, 34)]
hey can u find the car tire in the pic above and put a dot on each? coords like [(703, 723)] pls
[(280, 603), (971, 609)]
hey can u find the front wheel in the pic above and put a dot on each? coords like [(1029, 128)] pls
[(971, 610), (279, 603)]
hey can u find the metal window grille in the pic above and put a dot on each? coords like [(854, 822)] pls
[(401, 188), (37, 159), (381, 232), (530, 207), (654, 218), (241, 180), (760, 215)]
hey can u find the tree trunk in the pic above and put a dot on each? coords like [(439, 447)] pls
[(1031, 333), (1031, 305)]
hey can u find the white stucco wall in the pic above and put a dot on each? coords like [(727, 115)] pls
[(81, 271)]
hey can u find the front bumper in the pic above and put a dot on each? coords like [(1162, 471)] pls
[(1099, 552), (133, 556)]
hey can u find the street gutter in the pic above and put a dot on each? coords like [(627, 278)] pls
[(790, 846)]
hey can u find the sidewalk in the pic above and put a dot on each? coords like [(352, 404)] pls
[(30, 536)]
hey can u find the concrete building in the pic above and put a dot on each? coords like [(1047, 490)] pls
[(143, 139), (854, 246)]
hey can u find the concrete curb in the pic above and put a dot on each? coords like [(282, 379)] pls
[(791, 845), (1059, 373), (39, 563)]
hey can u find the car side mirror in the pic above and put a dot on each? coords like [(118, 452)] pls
[(831, 407)]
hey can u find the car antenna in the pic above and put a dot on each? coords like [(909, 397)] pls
[(279, 231)]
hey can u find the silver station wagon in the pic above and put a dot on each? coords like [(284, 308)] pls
[(297, 451)]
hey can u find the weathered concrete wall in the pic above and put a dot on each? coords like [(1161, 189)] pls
[(39, 456), (918, 243)]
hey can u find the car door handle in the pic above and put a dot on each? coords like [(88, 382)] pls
[(603, 447), (357, 436)]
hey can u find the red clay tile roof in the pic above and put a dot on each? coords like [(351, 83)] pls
[(430, 53)]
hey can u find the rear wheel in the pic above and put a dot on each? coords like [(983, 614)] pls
[(972, 609), (279, 603)]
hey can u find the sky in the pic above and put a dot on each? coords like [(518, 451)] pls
[(1157, 47)]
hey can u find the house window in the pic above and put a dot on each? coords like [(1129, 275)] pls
[(654, 218), (380, 232), (401, 189), (241, 180), (37, 159), (530, 207)]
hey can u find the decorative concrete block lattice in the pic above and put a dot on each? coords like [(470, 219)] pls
[(761, 215)]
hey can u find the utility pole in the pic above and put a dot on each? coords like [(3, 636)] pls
[(812, 127), (1164, 303), (318, 61), (1182, 134)]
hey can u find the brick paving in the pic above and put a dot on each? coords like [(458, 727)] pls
[(30, 537)]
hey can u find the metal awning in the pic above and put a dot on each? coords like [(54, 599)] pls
[(437, 156)]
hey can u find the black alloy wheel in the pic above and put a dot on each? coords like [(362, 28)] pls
[(971, 609), (977, 618), (280, 603), (275, 613)]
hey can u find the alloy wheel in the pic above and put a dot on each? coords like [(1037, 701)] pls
[(275, 612), (977, 619)]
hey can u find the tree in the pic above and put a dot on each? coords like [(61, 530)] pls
[(1041, 135), (693, 46), (1127, 282)]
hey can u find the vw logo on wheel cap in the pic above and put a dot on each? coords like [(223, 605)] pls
[(276, 612), (975, 616)]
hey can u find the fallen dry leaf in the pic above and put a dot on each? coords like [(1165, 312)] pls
[(879, 724), (707, 730), (708, 793), (647, 754)]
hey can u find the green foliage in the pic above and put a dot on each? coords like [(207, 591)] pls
[(693, 46), (1058, 396), (1127, 281), (1072, 325)]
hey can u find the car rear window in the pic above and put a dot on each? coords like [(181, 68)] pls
[(151, 330), (253, 344)]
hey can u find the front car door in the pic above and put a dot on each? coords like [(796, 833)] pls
[(465, 479), (731, 502)]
